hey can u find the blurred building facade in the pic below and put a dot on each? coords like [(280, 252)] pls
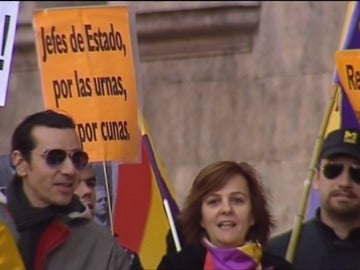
[(239, 80)]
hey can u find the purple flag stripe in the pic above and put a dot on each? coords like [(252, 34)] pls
[(164, 191), (348, 118), (352, 40)]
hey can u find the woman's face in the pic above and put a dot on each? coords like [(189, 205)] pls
[(226, 213)]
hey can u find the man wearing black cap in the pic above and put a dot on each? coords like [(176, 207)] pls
[(331, 240)]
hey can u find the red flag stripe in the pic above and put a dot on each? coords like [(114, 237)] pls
[(133, 202)]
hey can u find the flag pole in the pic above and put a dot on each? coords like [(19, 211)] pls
[(109, 197), (308, 181), (172, 225)]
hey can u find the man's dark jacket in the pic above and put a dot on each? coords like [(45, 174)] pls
[(320, 248)]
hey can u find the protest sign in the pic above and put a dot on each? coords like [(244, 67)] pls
[(87, 63), (8, 18), (348, 66)]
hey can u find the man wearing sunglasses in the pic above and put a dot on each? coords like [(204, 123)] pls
[(54, 229), (331, 240)]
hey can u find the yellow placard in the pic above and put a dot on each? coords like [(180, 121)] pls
[(86, 61), (348, 67)]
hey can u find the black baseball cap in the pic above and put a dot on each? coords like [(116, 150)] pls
[(342, 142)]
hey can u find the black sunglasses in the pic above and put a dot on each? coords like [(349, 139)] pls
[(55, 157), (333, 170)]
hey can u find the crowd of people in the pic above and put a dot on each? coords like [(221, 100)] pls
[(48, 210)]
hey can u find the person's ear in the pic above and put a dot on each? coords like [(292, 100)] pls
[(315, 182), (19, 163)]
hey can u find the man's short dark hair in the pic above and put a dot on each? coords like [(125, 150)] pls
[(22, 140)]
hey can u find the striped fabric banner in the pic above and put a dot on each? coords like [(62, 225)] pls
[(139, 217)]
